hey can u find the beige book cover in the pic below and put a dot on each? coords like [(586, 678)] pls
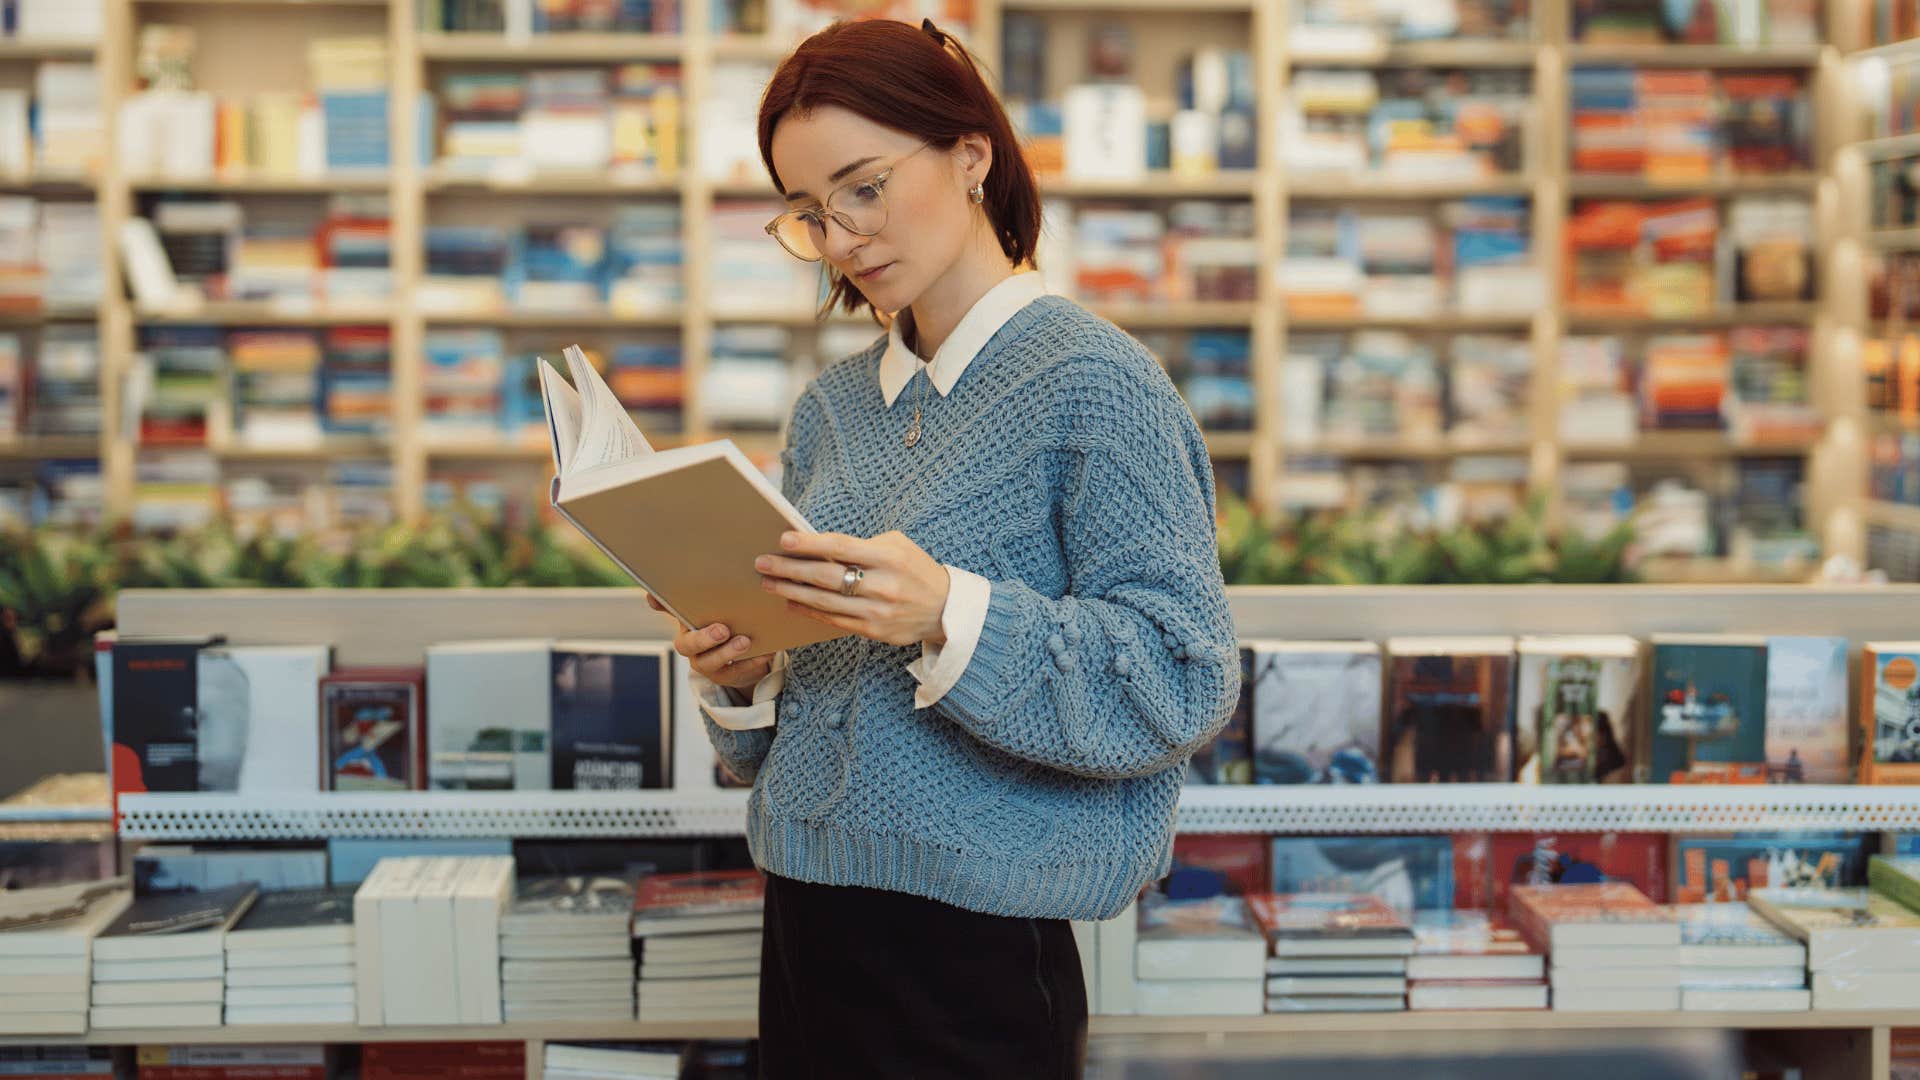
[(685, 523)]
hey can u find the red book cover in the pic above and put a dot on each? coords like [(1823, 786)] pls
[(373, 729), (1488, 865), (1236, 864), (715, 892), (1537, 909)]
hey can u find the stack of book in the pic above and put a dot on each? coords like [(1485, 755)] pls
[(290, 959), (697, 937), (57, 1062), (1201, 956), (1643, 258), (64, 377), (427, 940), (1612, 949), (566, 952), (1473, 960), (1333, 952), (162, 963), (500, 1059), (1863, 951), (1733, 959), (46, 944), (616, 1062), (281, 1061)]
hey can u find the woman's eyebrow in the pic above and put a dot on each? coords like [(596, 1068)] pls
[(838, 175)]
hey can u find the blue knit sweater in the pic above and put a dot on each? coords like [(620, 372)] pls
[(1065, 469)]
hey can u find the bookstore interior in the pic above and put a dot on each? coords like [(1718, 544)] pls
[(1559, 366)]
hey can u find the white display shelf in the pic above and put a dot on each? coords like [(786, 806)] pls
[(1386, 808)]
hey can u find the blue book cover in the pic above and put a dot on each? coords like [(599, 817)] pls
[(1709, 707), (612, 716), (1722, 868), (1410, 873)]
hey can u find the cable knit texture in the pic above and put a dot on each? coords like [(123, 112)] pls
[(1066, 470)]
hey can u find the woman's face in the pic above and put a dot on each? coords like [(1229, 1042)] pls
[(928, 214)]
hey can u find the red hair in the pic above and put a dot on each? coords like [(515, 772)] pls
[(920, 81)]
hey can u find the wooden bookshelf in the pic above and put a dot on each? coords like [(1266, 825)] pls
[(267, 185), (1695, 56), (562, 48), (30, 49), (1421, 54), (1637, 187), (1353, 188)]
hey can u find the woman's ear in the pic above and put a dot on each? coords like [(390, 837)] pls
[(974, 153)]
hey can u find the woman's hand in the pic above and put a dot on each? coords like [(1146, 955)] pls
[(899, 601), (709, 652)]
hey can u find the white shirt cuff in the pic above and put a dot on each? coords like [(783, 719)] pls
[(940, 666), (715, 702)]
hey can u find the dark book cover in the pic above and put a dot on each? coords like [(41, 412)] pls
[(155, 695), (612, 719), (180, 913), (1450, 719), (1709, 708), (299, 908), (1228, 759), (373, 723), (1410, 873), (573, 894)]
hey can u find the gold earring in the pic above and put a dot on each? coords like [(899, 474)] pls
[(978, 193)]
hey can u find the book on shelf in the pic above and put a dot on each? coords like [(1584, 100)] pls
[(1488, 866), (1602, 915), (175, 926), (1576, 720), (1890, 712), (608, 478), (1330, 924), (1471, 946), (492, 709), (612, 714), (1450, 714), (1709, 702), (698, 903), (1408, 873), (1723, 869), (373, 729), (1212, 865), (1315, 709), (1200, 938), (1846, 930)]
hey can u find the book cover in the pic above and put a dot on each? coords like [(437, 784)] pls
[(1212, 864), (1806, 725), (1316, 711), (1205, 937), (612, 710), (1449, 716), (1409, 873), (569, 903), (59, 920), (1728, 926), (1890, 713), (1488, 865), (257, 707), (491, 713), (1709, 705), (155, 697), (1574, 709), (1328, 915), (1896, 877), (1228, 758), (1467, 933), (181, 913), (325, 910), (1613, 912), (713, 892), (1722, 868), (373, 721)]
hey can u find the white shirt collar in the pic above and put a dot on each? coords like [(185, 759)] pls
[(977, 327)]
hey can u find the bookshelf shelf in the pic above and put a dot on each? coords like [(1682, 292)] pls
[(556, 320), (577, 47), (549, 184), (259, 314), (49, 183), (507, 449), (1696, 56), (1176, 316), (1383, 808), (1638, 187), (1891, 50), (1675, 570), (1165, 186), (1889, 146), (47, 315), (1406, 1028), (28, 49), (1451, 54), (1896, 515), (747, 47), (1353, 188), (1410, 450), (1445, 323), (35, 447), (1737, 315), (266, 185), (330, 450), (1659, 445), (1895, 239)]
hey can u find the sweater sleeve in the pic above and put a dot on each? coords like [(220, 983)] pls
[(1136, 666), (743, 743)]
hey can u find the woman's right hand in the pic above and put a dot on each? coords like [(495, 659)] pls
[(711, 654)]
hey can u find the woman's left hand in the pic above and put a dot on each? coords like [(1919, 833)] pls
[(899, 601)]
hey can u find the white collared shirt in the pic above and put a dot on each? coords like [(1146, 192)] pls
[(938, 667)]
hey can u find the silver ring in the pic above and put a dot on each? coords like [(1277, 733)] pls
[(850, 580)]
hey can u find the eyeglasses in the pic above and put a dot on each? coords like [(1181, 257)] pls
[(858, 206)]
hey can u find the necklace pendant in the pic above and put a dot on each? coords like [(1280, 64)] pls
[(913, 429)]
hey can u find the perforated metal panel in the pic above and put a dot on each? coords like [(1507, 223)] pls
[(1390, 808)]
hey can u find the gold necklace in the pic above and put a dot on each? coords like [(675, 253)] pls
[(912, 437)]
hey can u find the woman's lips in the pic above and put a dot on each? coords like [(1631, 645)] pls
[(869, 275)]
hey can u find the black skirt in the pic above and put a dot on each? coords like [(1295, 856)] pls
[(860, 982)]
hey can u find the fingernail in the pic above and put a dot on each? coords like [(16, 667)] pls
[(740, 642), (789, 539), (719, 632), (763, 563)]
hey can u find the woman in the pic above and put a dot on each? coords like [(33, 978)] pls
[(1022, 557)]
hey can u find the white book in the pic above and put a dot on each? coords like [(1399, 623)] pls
[(702, 970), (1616, 1000), (613, 989), (1580, 978), (482, 891), (314, 956), (1858, 989), (368, 974), (611, 484), (402, 982), (694, 988), (249, 1015), (43, 1023), (155, 1016), (562, 948), (166, 992), (1290, 1003), (610, 1060), (481, 690), (38, 1003), (333, 975), (199, 967), (72, 982), (1776, 1000), (569, 1010), (1467, 966), (681, 948), (1792, 977), (1636, 956), (1468, 994), (1845, 928), (433, 945), (1119, 937), (662, 1014), (258, 708), (263, 996), (1335, 984), (514, 972), (1199, 997), (1338, 965), (675, 925), (58, 921)]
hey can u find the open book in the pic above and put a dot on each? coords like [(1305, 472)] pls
[(686, 523)]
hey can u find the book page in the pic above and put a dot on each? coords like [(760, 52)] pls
[(563, 415), (607, 434)]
